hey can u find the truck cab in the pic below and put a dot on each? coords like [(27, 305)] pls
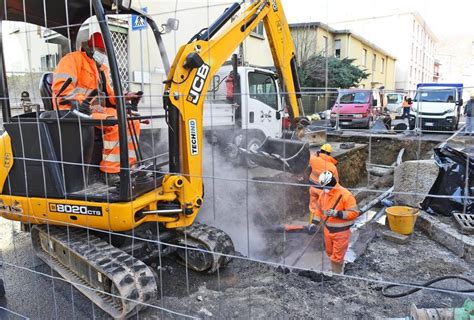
[(436, 106), (251, 102), (354, 108), (242, 111)]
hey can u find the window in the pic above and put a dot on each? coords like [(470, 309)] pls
[(258, 31), (364, 57), (382, 69), (120, 42), (49, 62), (337, 48), (435, 95), (326, 46), (374, 61), (262, 87), (354, 97)]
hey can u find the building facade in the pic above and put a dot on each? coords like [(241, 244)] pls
[(456, 57), (407, 36), (317, 38)]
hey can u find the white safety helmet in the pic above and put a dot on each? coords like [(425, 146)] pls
[(325, 178)]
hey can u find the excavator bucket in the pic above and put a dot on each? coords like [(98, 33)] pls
[(280, 154)]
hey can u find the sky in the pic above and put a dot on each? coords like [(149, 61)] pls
[(444, 18)]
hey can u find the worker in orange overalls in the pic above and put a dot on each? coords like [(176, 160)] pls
[(337, 209), (88, 71), (320, 162)]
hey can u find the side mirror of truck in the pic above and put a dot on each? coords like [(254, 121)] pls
[(374, 102), (278, 115), (460, 102)]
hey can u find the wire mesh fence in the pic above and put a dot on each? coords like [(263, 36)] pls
[(216, 216)]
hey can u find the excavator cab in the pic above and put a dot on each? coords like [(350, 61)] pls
[(57, 153)]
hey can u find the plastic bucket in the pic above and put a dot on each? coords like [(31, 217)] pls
[(402, 219)]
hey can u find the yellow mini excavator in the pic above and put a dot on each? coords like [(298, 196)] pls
[(102, 238)]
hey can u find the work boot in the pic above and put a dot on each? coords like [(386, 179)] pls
[(337, 267), (111, 179)]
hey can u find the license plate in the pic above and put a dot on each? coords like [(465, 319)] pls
[(429, 124), (345, 123)]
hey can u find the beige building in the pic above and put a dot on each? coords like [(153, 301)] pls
[(408, 37), (318, 38)]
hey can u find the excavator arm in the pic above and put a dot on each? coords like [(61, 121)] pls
[(190, 76)]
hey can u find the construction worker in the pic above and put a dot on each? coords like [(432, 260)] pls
[(320, 162), (229, 85), (336, 208), (88, 72), (406, 105)]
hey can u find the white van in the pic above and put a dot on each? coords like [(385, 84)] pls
[(394, 102)]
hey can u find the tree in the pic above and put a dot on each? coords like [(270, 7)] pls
[(304, 40), (341, 72)]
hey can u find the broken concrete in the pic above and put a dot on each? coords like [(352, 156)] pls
[(413, 181), (394, 237), (448, 236)]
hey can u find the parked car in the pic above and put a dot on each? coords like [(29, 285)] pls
[(354, 108)]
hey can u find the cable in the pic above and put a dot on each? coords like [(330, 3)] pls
[(424, 286)]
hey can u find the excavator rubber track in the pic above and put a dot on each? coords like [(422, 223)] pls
[(94, 266), (207, 239)]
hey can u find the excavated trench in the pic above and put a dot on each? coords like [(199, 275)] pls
[(284, 197)]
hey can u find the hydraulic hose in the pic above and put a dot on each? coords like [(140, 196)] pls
[(425, 285)]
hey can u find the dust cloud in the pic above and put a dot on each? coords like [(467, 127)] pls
[(231, 202), (244, 208)]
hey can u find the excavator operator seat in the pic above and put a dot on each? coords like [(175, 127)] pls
[(46, 92)]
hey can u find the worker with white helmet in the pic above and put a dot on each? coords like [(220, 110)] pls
[(337, 208)]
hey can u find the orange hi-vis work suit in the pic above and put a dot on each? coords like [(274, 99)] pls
[(319, 163), (85, 76), (337, 229)]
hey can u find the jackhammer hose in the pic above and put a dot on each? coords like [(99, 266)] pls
[(425, 286)]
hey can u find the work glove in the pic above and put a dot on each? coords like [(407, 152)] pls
[(312, 228), (332, 213), (85, 107), (133, 96)]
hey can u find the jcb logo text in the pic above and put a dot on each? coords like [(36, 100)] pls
[(198, 84)]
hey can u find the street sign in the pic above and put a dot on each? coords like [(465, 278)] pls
[(139, 22)]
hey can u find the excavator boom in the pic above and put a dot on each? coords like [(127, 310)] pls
[(188, 81)]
